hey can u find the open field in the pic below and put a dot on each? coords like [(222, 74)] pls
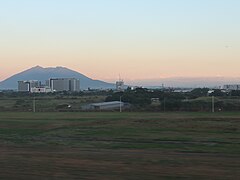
[(119, 146), (60, 103), (46, 103)]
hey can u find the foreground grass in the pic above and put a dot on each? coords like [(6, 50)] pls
[(121, 145)]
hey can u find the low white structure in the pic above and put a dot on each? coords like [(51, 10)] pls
[(41, 90), (107, 105)]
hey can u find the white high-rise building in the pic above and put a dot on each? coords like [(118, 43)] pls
[(64, 84)]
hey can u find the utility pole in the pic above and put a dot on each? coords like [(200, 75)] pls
[(34, 104), (164, 104), (120, 104), (213, 104)]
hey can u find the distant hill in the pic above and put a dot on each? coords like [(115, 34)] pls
[(43, 74)]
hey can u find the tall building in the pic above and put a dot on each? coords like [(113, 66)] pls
[(64, 84), (25, 86)]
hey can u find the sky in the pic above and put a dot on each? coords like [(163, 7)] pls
[(138, 39)]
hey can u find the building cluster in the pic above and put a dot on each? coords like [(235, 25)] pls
[(52, 85), (57, 85), (231, 87)]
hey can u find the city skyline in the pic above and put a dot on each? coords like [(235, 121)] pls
[(141, 40)]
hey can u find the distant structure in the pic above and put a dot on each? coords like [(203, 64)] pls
[(120, 84), (64, 84), (44, 89), (25, 86), (231, 87), (106, 105), (52, 85)]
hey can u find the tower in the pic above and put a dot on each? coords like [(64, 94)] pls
[(120, 84)]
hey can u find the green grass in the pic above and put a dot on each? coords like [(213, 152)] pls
[(182, 131), (121, 145)]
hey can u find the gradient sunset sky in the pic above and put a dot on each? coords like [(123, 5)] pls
[(140, 39)]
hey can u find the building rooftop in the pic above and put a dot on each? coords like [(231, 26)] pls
[(106, 103)]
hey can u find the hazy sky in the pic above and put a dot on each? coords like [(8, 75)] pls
[(140, 39)]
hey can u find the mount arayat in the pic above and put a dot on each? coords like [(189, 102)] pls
[(43, 74)]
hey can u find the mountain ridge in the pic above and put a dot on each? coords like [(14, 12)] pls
[(42, 74)]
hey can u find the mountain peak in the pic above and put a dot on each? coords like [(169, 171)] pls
[(37, 67), (60, 67)]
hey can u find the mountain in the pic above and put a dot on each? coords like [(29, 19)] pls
[(43, 74)]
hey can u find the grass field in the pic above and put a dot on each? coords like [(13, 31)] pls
[(119, 145), (46, 103)]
